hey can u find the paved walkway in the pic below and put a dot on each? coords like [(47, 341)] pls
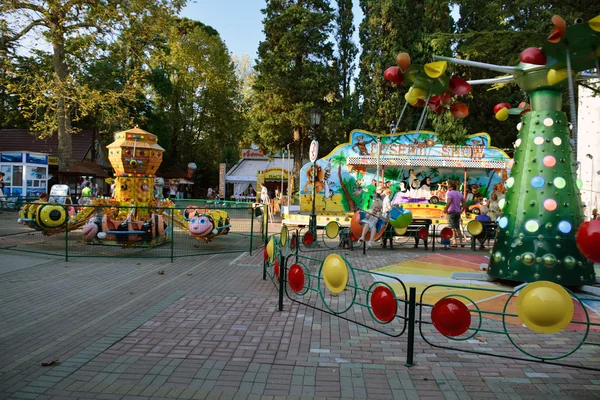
[(207, 327)]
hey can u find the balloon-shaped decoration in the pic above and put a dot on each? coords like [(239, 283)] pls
[(266, 253), (500, 106), (446, 98), (435, 69), (594, 23), (276, 268), (560, 29), (451, 317), (414, 95), (555, 76), (459, 86), (502, 115), (423, 233), (459, 110), (400, 231), (588, 240), (533, 55), (293, 241), (403, 61), (545, 307), (434, 103), (394, 75), (308, 239), (296, 278), (335, 273), (447, 233), (383, 303)]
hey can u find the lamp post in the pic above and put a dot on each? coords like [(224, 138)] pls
[(315, 121), (590, 208)]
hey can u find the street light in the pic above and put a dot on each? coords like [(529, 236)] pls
[(315, 120), (591, 157)]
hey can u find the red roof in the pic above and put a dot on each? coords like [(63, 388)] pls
[(21, 140)]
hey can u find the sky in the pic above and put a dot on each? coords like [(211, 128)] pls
[(239, 22)]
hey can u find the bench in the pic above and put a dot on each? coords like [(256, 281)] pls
[(488, 232), (411, 231)]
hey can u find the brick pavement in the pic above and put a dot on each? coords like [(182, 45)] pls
[(208, 328)]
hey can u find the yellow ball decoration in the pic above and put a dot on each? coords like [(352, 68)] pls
[(545, 307), (335, 273), (271, 248)]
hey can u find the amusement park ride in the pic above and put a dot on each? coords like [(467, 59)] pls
[(540, 199), (136, 215)]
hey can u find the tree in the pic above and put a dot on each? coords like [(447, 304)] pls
[(293, 74), (196, 89), (83, 21), (346, 49), (390, 27)]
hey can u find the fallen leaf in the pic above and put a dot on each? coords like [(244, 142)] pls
[(189, 274), (161, 272), (130, 292), (481, 339), (50, 363)]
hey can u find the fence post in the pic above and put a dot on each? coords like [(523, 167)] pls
[(410, 348), (281, 280), (66, 208), (172, 232), (252, 227), (266, 221)]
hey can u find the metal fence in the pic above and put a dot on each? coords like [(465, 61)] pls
[(160, 232), (537, 322)]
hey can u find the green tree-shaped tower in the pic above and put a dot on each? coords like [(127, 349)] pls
[(542, 208)]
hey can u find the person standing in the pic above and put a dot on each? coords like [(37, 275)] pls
[(493, 206), (2, 198), (86, 194), (455, 205), (209, 193), (264, 195)]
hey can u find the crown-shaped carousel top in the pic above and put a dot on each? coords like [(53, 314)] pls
[(135, 152)]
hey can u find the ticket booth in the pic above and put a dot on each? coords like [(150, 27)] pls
[(25, 173)]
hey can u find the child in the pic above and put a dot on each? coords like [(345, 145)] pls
[(370, 221)]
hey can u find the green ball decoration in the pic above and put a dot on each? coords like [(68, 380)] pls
[(549, 260), (497, 256), (570, 262), (528, 259)]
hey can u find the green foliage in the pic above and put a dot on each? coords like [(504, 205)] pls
[(293, 74), (390, 27)]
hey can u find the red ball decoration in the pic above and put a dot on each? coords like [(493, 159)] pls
[(266, 254), (459, 86), (588, 240), (500, 106), (309, 238), (383, 304), (293, 242), (423, 233), (446, 233), (353, 237), (533, 55), (393, 75), (296, 278), (276, 268), (451, 317)]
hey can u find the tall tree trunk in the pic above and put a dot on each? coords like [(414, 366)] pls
[(65, 146)]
